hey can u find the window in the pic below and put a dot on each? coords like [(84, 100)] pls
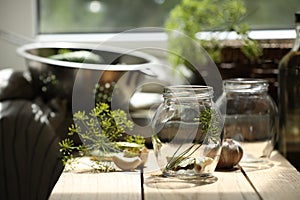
[(104, 16), (111, 16)]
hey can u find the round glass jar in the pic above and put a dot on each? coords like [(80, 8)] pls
[(188, 133), (251, 116)]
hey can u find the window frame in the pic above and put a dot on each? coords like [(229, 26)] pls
[(145, 39)]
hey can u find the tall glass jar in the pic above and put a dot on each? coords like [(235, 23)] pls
[(187, 132), (251, 116), (289, 101)]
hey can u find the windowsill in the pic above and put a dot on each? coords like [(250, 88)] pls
[(159, 37), (150, 42)]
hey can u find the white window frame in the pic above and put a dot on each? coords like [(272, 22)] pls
[(130, 40), (153, 39)]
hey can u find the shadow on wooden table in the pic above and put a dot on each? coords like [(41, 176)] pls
[(158, 181)]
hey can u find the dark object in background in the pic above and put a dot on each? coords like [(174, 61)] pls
[(30, 131), (29, 151), (288, 101), (15, 85)]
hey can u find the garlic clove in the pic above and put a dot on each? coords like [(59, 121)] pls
[(200, 164), (144, 155), (125, 163)]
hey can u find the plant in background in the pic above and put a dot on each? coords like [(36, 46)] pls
[(216, 16), (103, 92)]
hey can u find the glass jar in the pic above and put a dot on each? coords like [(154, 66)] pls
[(251, 116), (188, 133)]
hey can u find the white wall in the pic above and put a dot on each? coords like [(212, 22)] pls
[(17, 17)]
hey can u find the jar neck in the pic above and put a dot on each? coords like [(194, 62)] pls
[(188, 92), (246, 86)]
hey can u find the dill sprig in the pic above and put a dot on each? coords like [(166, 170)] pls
[(210, 128), (100, 130)]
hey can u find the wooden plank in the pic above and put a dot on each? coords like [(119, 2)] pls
[(228, 185), (280, 181), (104, 186)]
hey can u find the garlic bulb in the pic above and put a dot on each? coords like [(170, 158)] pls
[(231, 154)]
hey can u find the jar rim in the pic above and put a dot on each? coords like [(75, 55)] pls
[(247, 80), (188, 91), (247, 85)]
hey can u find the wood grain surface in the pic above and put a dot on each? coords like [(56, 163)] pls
[(275, 180)]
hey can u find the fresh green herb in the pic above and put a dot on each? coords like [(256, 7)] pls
[(135, 139), (80, 56), (100, 131), (193, 16), (66, 148), (209, 124), (101, 128), (103, 166)]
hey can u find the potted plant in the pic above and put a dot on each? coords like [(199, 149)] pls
[(219, 18)]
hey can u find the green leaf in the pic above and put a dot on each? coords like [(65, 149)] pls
[(99, 131), (193, 16)]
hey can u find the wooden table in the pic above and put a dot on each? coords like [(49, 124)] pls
[(278, 180)]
